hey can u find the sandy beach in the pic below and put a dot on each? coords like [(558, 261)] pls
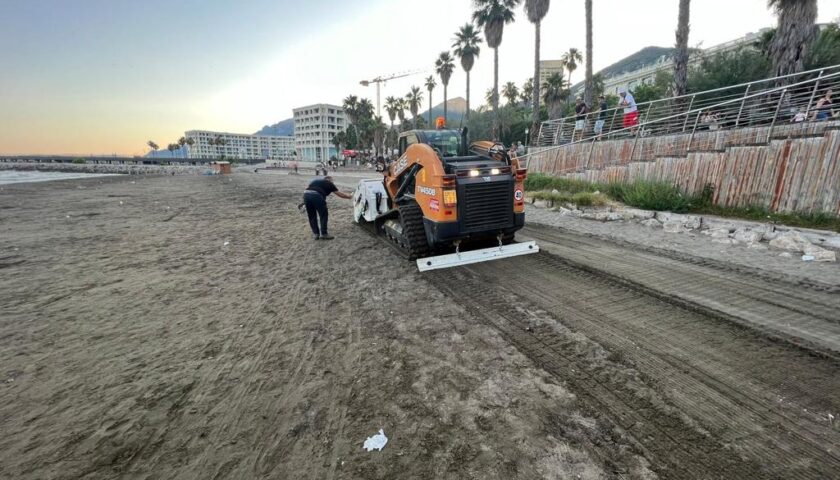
[(188, 327)]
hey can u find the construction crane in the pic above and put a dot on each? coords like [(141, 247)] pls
[(380, 80)]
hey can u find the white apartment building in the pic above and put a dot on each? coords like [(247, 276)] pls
[(315, 127), (239, 146)]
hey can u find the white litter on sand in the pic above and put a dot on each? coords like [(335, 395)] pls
[(376, 442)]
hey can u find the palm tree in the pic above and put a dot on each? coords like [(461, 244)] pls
[(570, 59), (795, 32), (391, 108), (488, 97), (351, 108), (527, 93), (379, 131), (444, 66), (154, 146), (681, 51), (536, 11), (401, 105), (190, 142), (430, 85), (172, 147), (510, 92), (364, 109), (218, 142), (553, 92), (413, 99), (337, 140), (588, 93), (467, 50), (492, 15)]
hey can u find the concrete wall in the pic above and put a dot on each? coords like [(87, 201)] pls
[(798, 170)]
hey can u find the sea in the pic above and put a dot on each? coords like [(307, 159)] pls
[(15, 176)]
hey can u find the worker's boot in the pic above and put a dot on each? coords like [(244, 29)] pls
[(327, 237)]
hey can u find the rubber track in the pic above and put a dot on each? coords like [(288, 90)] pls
[(411, 218)]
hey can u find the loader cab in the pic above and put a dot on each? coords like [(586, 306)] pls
[(447, 143)]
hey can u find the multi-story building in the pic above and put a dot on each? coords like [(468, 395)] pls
[(315, 127), (550, 67), (239, 146)]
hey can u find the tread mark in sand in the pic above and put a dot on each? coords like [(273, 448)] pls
[(674, 449)]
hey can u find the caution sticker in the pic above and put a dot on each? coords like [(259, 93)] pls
[(434, 205)]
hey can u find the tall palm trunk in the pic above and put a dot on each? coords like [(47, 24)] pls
[(445, 119), (430, 109), (588, 94), (468, 94), (535, 115), (496, 126), (681, 52), (794, 34)]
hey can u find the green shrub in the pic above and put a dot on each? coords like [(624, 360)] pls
[(581, 199), (538, 181), (79, 161), (589, 199), (651, 196)]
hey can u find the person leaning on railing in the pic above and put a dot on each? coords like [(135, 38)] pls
[(631, 111), (823, 109), (602, 115)]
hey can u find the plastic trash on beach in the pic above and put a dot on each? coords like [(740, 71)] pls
[(376, 442), (226, 243), (808, 258)]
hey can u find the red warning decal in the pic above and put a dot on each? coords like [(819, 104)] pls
[(434, 205), (518, 195)]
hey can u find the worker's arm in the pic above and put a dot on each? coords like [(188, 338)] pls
[(343, 195)]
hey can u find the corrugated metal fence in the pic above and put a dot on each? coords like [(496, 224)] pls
[(797, 170)]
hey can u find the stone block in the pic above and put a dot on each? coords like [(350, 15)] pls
[(791, 241)]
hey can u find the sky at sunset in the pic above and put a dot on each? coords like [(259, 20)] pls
[(106, 76)]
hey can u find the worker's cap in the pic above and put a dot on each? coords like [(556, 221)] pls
[(622, 90)]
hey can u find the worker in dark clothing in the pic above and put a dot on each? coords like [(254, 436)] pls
[(315, 199)]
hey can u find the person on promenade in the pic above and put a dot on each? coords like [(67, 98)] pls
[(580, 118), (631, 112), (602, 115), (315, 200), (823, 109)]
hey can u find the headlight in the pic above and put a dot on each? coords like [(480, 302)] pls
[(494, 171), (474, 173)]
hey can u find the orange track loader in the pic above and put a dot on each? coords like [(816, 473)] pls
[(441, 194)]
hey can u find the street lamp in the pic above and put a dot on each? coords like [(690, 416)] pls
[(527, 138)]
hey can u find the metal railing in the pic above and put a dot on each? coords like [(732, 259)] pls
[(746, 113), (796, 103)]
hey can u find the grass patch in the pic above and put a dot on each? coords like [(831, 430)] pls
[(537, 181), (818, 220), (581, 199), (651, 196), (661, 196)]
